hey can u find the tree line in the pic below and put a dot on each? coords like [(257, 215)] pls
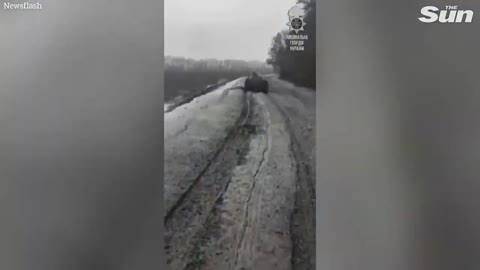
[(296, 66), (173, 63), (184, 75)]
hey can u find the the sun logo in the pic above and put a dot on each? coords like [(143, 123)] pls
[(295, 16)]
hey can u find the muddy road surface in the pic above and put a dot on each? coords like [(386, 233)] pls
[(240, 180)]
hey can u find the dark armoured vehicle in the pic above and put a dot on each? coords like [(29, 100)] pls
[(256, 83)]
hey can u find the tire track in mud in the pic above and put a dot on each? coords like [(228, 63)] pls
[(230, 136), (218, 228), (253, 205), (250, 193), (304, 170), (249, 227), (302, 220), (189, 213)]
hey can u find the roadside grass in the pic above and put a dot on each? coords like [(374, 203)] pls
[(184, 83)]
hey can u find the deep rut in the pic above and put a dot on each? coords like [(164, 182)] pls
[(303, 231), (250, 227), (252, 206), (186, 217)]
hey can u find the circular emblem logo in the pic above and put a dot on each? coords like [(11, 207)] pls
[(297, 23), (296, 16)]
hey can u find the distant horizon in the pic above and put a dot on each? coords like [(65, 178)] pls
[(218, 59)]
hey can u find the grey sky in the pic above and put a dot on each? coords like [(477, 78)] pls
[(223, 29)]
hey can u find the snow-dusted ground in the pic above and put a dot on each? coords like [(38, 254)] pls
[(192, 134), (236, 166), (210, 111)]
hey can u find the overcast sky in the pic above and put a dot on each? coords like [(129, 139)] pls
[(223, 29)]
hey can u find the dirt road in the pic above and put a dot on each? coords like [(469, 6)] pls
[(240, 180)]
